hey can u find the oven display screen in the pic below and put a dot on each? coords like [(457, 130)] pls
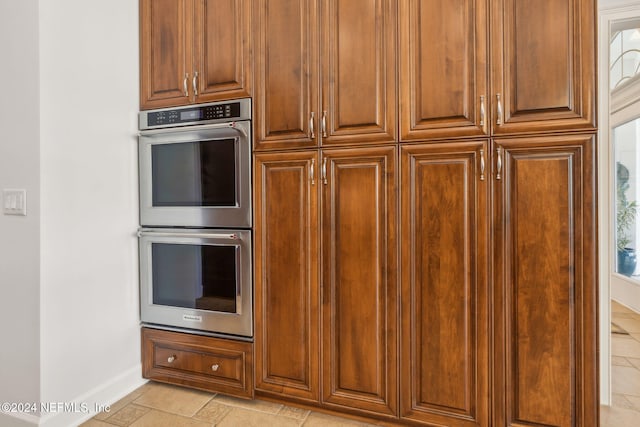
[(191, 115)]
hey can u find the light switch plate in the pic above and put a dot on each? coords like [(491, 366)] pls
[(14, 202)]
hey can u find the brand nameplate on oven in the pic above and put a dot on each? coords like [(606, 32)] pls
[(191, 318)]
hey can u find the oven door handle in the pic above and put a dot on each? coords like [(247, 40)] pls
[(227, 125), (225, 236)]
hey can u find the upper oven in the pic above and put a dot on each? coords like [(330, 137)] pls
[(195, 166)]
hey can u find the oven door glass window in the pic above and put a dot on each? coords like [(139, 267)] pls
[(203, 277), (201, 173)]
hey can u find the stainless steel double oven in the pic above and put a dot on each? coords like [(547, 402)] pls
[(195, 215)]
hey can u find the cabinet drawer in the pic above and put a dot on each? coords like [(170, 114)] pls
[(212, 364)]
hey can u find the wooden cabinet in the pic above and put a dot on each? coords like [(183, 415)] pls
[(287, 274), (545, 288), (194, 51), (359, 286), (354, 311), (443, 68), (538, 251), (206, 363), (444, 352), (326, 72), (543, 65), (539, 78)]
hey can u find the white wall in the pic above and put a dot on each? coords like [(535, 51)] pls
[(19, 236), (68, 270), (89, 100)]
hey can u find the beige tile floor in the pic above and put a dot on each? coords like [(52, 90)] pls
[(161, 405), (625, 370)]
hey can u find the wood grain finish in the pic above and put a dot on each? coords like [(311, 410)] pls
[(286, 274), (179, 38), (445, 321), (360, 280), (358, 68), (326, 73), (222, 50), (546, 293), (206, 363), (165, 51), (443, 68), (543, 65), (287, 86)]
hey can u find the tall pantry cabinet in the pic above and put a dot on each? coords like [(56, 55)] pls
[(325, 202), (425, 209), (498, 233)]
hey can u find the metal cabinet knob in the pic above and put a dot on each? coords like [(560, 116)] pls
[(170, 359), (215, 367)]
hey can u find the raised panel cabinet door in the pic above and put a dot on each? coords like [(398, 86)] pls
[(359, 288), (543, 65), (287, 343), (358, 63), (443, 68), (166, 31), (545, 292), (444, 352), (286, 94), (222, 50)]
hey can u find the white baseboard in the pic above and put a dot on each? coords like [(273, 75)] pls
[(18, 420), (627, 293), (91, 402)]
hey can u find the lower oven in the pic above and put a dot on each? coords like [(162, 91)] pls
[(197, 279)]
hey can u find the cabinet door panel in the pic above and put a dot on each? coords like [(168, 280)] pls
[(286, 83), (445, 323), (359, 280), (443, 60), (544, 65), (222, 55), (166, 33), (359, 72), (286, 253), (546, 293)]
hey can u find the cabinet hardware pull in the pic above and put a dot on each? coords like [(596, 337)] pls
[(324, 171), (499, 166), (311, 125), (324, 124), (184, 84), (215, 367), (171, 358), (194, 83), (499, 119), (312, 172), (482, 112), (482, 164)]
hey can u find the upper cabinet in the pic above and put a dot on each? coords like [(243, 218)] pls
[(543, 65), (539, 77), (194, 51), (326, 72), (443, 68)]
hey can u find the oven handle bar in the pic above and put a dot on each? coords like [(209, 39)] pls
[(227, 125), (229, 236)]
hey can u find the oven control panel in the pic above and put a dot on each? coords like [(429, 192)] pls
[(216, 112)]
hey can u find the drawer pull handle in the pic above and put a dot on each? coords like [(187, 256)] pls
[(170, 359), (215, 367)]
